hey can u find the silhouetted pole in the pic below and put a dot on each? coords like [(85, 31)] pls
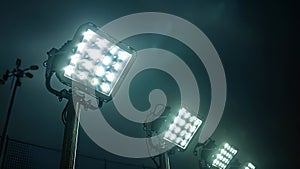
[(164, 161), (68, 155), (17, 74), (3, 143)]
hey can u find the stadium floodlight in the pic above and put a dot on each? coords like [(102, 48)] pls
[(93, 60), (181, 128), (94, 63), (249, 166), (223, 156)]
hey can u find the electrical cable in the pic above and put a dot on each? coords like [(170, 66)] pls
[(64, 113)]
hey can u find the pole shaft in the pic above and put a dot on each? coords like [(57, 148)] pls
[(4, 153), (164, 161), (69, 149), (3, 141)]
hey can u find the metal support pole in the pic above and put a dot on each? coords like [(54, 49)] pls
[(17, 74), (5, 128), (4, 152), (69, 149), (164, 161)]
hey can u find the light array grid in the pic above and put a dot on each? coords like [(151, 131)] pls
[(97, 63), (224, 156), (182, 128), (249, 166)]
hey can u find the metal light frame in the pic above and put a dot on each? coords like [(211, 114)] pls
[(61, 58), (179, 129), (58, 59), (223, 156)]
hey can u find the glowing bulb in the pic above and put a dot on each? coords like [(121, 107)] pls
[(107, 60), (172, 126), (183, 143), (74, 59), (81, 46), (197, 122), (226, 145), (99, 71), (182, 133), (251, 165), (181, 122), (105, 87), (113, 50), (181, 111), (117, 66), (188, 136), (110, 76), (192, 118), (192, 129), (187, 115), (178, 140), (187, 126), (102, 43), (69, 70), (177, 130), (122, 55), (88, 35), (168, 134), (176, 119), (94, 81), (215, 161), (173, 137)]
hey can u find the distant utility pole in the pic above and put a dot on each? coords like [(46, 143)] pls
[(16, 74)]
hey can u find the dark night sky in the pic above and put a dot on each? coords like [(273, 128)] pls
[(255, 40)]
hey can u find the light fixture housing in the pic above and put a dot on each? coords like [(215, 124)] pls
[(223, 156), (95, 61), (248, 166), (181, 128)]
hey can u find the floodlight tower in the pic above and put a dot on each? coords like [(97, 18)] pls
[(17, 73), (91, 63), (216, 157), (178, 129), (222, 157), (248, 165)]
